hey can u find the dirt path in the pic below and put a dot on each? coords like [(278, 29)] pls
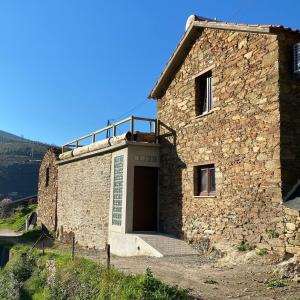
[(244, 277), (210, 281), (235, 276), (9, 235)]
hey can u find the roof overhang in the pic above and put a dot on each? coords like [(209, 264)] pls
[(186, 43)]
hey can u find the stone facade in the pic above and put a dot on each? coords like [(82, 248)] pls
[(242, 137), (291, 227), (47, 191), (251, 136), (83, 200)]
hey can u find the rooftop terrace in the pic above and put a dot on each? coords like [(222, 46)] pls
[(135, 129)]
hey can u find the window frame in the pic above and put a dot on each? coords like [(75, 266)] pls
[(210, 191), (204, 93), (47, 177)]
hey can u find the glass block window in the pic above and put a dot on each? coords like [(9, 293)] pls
[(118, 190)]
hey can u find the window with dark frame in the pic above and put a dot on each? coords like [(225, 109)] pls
[(204, 97), (205, 181), (47, 176)]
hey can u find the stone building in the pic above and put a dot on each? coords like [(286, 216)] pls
[(228, 103), (220, 162), (47, 190)]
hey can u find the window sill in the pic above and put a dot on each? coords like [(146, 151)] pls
[(204, 115), (211, 196)]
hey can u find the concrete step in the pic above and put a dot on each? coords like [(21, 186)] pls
[(167, 245)]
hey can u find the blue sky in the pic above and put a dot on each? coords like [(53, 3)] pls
[(67, 66)]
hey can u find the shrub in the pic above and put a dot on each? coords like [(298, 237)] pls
[(87, 280), (35, 286), (34, 277), (277, 283), (242, 247), (21, 267), (273, 233), (9, 286), (155, 289), (12, 278)]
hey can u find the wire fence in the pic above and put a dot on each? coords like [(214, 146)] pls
[(46, 242)]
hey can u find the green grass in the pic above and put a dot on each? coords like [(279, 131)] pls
[(277, 283), (54, 276), (17, 219), (273, 233), (242, 247), (57, 277)]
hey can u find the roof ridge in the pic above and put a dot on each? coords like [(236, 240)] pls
[(274, 26)]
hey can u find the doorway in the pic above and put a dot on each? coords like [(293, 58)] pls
[(145, 199)]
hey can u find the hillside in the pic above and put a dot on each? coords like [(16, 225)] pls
[(10, 136), (19, 165)]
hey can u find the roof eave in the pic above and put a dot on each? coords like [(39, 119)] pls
[(185, 45)]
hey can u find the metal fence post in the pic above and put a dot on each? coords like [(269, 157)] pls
[(132, 126), (73, 246), (157, 129), (108, 256)]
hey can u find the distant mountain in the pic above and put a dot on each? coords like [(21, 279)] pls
[(19, 165), (10, 136)]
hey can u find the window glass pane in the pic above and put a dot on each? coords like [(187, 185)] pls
[(204, 101), (203, 180), (201, 95), (209, 93), (205, 97), (47, 176), (212, 180)]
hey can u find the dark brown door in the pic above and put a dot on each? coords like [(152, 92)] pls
[(145, 199)]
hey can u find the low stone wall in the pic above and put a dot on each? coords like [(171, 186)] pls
[(292, 231), (83, 200)]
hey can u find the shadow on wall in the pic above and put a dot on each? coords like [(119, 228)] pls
[(170, 183), (289, 111)]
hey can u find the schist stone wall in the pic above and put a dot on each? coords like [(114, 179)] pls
[(83, 200), (242, 137), (47, 190)]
